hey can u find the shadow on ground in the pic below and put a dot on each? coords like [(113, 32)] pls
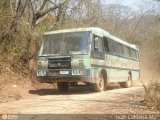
[(72, 90)]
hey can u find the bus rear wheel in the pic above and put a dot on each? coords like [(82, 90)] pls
[(100, 85), (62, 86), (126, 84)]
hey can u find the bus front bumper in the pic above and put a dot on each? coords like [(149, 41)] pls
[(65, 75)]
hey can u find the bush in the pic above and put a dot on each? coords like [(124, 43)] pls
[(152, 94)]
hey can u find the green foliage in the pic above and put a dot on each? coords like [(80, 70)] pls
[(4, 3), (43, 27), (19, 51), (24, 26)]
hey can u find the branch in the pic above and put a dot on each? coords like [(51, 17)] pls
[(40, 14), (52, 2), (18, 6), (25, 5), (43, 4), (11, 7)]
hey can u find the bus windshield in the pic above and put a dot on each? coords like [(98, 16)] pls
[(66, 44)]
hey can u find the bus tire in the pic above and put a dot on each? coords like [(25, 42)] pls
[(62, 87), (126, 84), (100, 85)]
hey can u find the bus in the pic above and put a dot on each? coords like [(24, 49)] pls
[(89, 55)]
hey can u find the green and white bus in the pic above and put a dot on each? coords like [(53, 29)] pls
[(89, 55)]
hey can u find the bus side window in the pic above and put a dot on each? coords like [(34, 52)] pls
[(116, 48), (137, 55), (98, 44), (119, 49), (133, 54), (106, 48), (126, 51), (111, 46)]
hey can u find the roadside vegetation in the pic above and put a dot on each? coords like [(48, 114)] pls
[(152, 95), (23, 22)]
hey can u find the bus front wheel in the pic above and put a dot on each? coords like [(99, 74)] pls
[(99, 85), (62, 86)]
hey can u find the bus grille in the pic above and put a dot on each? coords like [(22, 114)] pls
[(59, 63)]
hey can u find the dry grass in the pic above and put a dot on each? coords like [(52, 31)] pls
[(152, 94)]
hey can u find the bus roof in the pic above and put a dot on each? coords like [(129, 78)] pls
[(89, 29), (98, 31)]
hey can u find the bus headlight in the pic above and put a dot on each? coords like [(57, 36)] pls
[(77, 72), (41, 73)]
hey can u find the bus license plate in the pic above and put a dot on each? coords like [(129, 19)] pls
[(64, 72)]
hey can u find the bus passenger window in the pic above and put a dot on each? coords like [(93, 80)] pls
[(111, 46), (119, 49), (106, 45), (133, 54), (116, 48), (126, 51)]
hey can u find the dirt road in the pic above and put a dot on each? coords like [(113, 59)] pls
[(79, 100)]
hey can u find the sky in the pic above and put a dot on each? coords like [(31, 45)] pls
[(135, 4), (123, 2)]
